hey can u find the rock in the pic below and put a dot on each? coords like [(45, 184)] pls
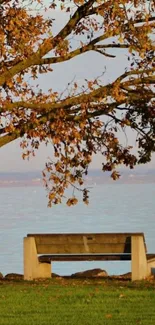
[(90, 274), (14, 276), (126, 275), (1, 276), (54, 275)]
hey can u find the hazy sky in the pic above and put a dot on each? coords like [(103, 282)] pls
[(88, 65)]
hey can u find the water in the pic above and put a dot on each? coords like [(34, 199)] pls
[(112, 208)]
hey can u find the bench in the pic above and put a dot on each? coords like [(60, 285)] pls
[(42, 249)]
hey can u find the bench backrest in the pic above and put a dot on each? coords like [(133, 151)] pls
[(105, 243)]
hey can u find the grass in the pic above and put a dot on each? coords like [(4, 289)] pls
[(80, 302)]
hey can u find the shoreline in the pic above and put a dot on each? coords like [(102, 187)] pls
[(39, 183)]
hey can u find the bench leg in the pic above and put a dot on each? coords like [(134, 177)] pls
[(150, 265), (32, 268), (139, 261)]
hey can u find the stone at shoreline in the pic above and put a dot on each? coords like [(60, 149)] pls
[(85, 274), (90, 273), (54, 275), (14, 276), (126, 275)]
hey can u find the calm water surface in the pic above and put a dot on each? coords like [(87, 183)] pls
[(112, 208)]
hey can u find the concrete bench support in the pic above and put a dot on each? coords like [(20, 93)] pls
[(32, 268), (139, 260), (150, 266)]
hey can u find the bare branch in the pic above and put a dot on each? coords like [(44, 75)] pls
[(81, 50), (5, 139), (137, 72)]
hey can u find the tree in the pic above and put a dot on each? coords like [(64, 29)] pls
[(85, 121)]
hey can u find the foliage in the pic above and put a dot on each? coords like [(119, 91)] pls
[(77, 302), (86, 121)]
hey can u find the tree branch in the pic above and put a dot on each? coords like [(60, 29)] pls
[(48, 44), (135, 72), (96, 94), (138, 81), (68, 102), (5, 139), (81, 50), (100, 8)]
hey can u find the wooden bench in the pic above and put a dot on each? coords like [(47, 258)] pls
[(85, 247)]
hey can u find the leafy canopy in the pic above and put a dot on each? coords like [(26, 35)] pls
[(88, 119)]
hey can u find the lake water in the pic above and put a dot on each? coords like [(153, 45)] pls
[(112, 208)]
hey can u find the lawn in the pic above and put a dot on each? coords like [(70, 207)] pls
[(80, 302)]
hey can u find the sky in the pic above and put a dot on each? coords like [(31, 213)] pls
[(89, 65)]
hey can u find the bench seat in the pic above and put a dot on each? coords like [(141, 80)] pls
[(88, 257), (84, 257)]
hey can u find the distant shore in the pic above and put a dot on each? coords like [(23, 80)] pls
[(27, 179)]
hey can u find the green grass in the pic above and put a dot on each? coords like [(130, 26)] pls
[(70, 302)]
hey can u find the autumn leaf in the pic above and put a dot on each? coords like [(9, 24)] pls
[(115, 175), (121, 296), (72, 201), (108, 316)]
